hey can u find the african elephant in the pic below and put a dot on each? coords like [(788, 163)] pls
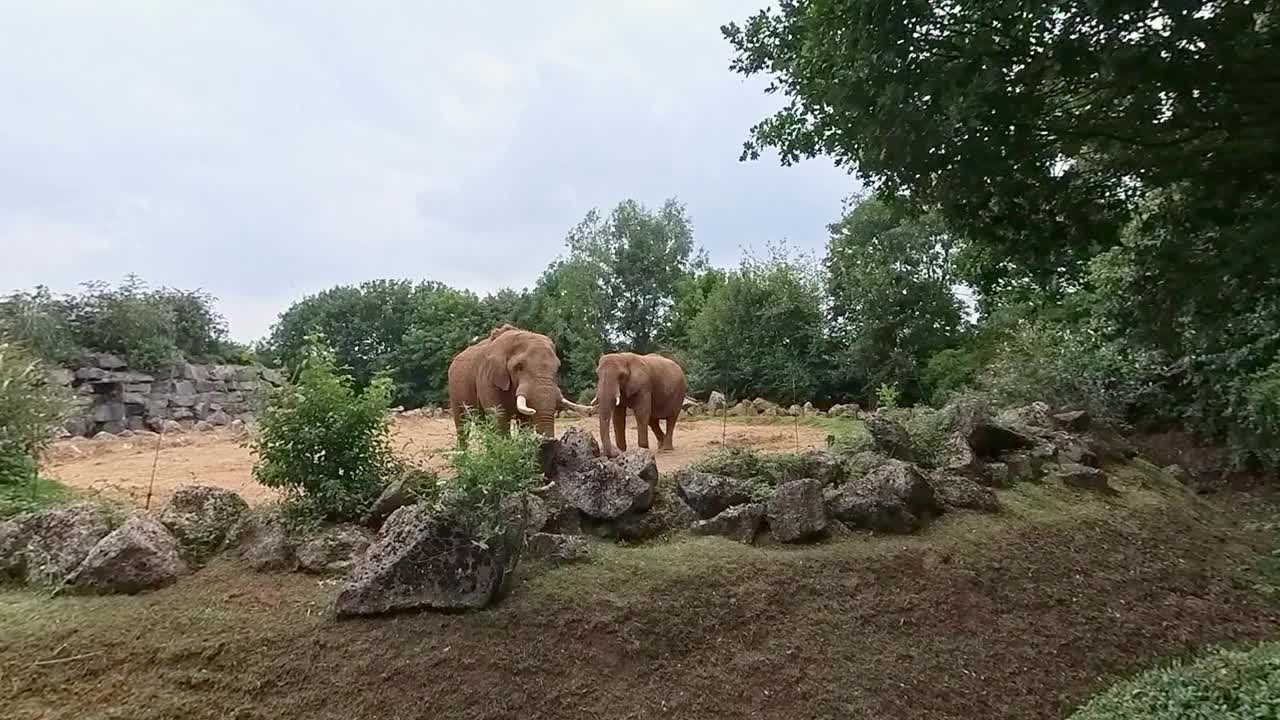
[(652, 386), (510, 371)]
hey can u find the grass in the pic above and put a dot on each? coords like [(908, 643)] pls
[(1015, 615), (16, 499), (1224, 684)]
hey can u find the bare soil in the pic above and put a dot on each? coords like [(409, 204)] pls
[(1020, 615), (122, 469)]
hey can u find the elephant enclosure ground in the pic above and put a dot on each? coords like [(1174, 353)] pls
[(123, 468), (1018, 615)]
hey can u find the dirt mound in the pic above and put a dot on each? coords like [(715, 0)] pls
[(1020, 615)]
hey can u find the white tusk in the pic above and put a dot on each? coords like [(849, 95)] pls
[(595, 400), (618, 400), (569, 405), (522, 405)]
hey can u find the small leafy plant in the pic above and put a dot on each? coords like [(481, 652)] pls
[(327, 446), (887, 396), (29, 407), (489, 470)]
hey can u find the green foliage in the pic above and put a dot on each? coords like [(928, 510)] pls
[(488, 470), (951, 370), (762, 331), (1069, 365), (34, 495), (763, 471), (325, 444), (29, 407), (146, 327), (568, 305), (1224, 684), (890, 279), (887, 396)]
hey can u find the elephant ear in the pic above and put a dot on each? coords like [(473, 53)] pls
[(494, 371)]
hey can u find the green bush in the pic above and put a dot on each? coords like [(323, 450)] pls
[(36, 494), (488, 470), (29, 406), (1222, 685), (765, 471), (327, 446)]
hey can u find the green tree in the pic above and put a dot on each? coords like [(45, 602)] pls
[(127, 320), (41, 322), (890, 281), (444, 321), (641, 257), (762, 332), (1031, 126), (690, 298), (568, 305)]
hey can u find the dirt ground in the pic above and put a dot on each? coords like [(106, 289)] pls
[(122, 469), (1020, 615)]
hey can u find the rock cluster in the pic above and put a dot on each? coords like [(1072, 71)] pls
[(109, 397)]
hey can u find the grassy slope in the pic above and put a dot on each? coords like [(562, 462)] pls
[(1018, 616)]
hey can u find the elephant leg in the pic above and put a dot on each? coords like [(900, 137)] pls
[(459, 423), (669, 443), (642, 429), (656, 426), (620, 428)]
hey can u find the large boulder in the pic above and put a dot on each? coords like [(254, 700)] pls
[(740, 522), (959, 458), (822, 465), (890, 437), (394, 496), (716, 401), (896, 497), (526, 511), (796, 511), (953, 491), (139, 555), (1035, 418), (201, 517), (863, 462), (558, 548), (986, 437), (1074, 420), (43, 548), (424, 559), (263, 543), (709, 495), (575, 448), (603, 489), (335, 550), (639, 462)]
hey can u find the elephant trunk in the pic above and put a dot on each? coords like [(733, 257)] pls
[(537, 400), (608, 397)]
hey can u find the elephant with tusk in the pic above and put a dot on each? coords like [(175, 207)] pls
[(652, 386), (513, 372)]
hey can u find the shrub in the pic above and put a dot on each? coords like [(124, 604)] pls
[(40, 322), (887, 396), (1223, 685), (36, 494), (325, 444), (128, 321), (488, 470), (763, 470), (29, 406)]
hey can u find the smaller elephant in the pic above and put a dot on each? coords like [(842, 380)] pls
[(652, 386)]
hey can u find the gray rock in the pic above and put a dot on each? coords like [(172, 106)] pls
[(809, 409), (43, 548), (218, 419), (959, 458), (335, 550), (1034, 418), (263, 543), (709, 495), (1072, 449), (394, 496), (562, 518), (675, 512), (575, 448), (640, 462), (631, 527), (558, 548), (740, 522), (272, 376), (895, 497), (864, 462), (716, 401), (986, 437), (998, 475), (109, 411), (525, 511), (202, 517), (1084, 478), (1075, 420), (423, 561), (822, 465), (1023, 466), (954, 491), (603, 490), (796, 511), (889, 437), (1175, 472), (836, 410), (106, 361), (202, 426), (139, 555)]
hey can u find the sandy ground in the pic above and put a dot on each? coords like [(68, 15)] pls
[(122, 469)]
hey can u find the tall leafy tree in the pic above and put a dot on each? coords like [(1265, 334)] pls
[(641, 255), (762, 332), (568, 304), (889, 278)]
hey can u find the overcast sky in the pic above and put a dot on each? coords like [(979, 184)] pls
[(266, 150)]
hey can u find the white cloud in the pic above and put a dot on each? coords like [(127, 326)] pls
[(264, 150)]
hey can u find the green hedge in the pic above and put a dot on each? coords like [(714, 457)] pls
[(1221, 685)]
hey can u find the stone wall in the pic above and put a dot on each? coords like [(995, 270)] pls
[(108, 396)]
